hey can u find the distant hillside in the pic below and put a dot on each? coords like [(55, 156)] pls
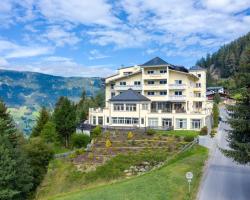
[(29, 88), (225, 62), (25, 92)]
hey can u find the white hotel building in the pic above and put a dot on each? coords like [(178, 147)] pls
[(155, 94)]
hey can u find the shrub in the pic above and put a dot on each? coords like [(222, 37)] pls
[(150, 132), (108, 143), (188, 138), (213, 132), (80, 140), (130, 135), (96, 132), (203, 130), (215, 115)]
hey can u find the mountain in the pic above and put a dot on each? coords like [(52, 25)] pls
[(225, 62), (25, 92)]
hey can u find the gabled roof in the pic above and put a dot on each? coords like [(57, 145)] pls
[(155, 62), (196, 68), (178, 68), (129, 95)]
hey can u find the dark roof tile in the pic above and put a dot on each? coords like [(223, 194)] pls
[(129, 95)]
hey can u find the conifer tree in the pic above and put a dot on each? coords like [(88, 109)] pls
[(41, 121), (65, 119)]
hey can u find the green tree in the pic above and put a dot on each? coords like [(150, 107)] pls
[(215, 115), (48, 133), (39, 154), (217, 98), (15, 173), (100, 99), (96, 132), (80, 140), (65, 119), (40, 122)]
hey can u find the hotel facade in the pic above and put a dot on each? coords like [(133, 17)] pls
[(156, 95)]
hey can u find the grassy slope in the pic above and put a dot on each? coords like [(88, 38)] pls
[(166, 183), (180, 133)]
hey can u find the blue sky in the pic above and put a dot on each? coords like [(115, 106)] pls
[(93, 38)]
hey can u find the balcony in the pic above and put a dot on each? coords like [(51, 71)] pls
[(177, 86), (177, 98), (155, 87), (155, 76), (126, 87)]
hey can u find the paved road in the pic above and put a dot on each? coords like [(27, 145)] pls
[(224, 179)]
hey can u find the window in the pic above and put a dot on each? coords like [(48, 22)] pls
[(131, 107), (100, 120), (112, 85), (151, 72), (137, 83), (124, 120), (107, 119), (151, 82), (151, 93), (163, 92), (197, 94), (153, 122), (144, 106), (112, 94), (127, 73), (163, 82), (142, 120), (94, 119), (123, 83), (199, 75), (163, 71), (166, 122), (118, 107), (196, 123), (181, 123), (178, 82), (178, 93), (198, 85)]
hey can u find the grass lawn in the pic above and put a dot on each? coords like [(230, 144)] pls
[(179, 133), (167, 182)]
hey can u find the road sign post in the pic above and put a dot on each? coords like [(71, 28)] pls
[(189, 176)]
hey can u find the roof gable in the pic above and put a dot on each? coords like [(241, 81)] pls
[(129, 95), (155, 61)]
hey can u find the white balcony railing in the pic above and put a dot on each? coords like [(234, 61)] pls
[(126, 87), (177, 86), (177, 97)]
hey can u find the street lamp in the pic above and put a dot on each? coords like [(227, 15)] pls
[(189, 176)]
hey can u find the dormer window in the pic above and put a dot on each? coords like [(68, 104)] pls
[(178, 82), (199, 75), (127, 73)]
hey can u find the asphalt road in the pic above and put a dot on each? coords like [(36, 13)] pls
[(224, 179)]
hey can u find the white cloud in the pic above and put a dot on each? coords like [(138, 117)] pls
[(3, 62), (95, 54), (78, 11), (62, 66), (60, 37)]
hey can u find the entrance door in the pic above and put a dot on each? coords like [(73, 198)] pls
[(166, 122)]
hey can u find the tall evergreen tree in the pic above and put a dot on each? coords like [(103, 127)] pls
[(15, 173), (42, 119), (239, 135), (65, 119)]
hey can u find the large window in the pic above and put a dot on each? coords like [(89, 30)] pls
[(118, 107), (163, 82), (151, 72), (166, 122), (131, 107), (181, 123), (151, 93), (153, 122), (198, 85), (163, 71), (144, 106), (125, 120), (151, 82), (178, 82), (178, 93), (163, 93), (196, 123), (137, 83), (100, 120), (94, 119), (123, 83)]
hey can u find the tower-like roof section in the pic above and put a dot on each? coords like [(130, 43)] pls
[(129, 95)]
